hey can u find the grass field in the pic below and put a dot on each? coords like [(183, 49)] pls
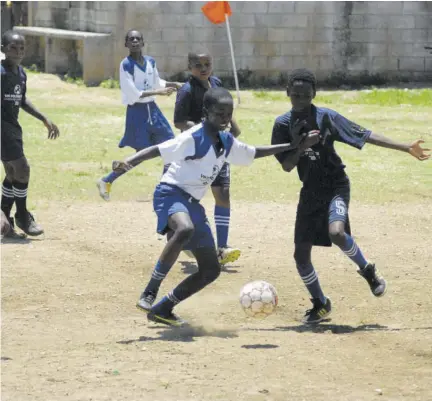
[(92, 123), (70, 330)]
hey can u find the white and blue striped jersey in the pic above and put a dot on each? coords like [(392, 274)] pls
[(135, 78), (195, 162)]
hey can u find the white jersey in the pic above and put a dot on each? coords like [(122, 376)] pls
[(135, 78), (194, 161)]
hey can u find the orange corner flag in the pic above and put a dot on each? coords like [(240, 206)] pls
[(215, 11)]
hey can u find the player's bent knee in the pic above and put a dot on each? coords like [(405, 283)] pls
[(9, 172), (212, 272), (184, 233), (337, 234), (22, 170)]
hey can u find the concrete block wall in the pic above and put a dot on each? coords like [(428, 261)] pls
[(347, 39)]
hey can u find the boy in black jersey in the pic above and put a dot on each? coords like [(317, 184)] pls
[(13, 96), (322, 213), (188, 112)]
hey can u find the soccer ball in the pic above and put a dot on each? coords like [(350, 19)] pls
[(258, 299)]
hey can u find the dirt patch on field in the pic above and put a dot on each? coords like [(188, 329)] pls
[(70, 330)]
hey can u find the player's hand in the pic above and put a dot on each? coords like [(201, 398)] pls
[(312, 138), (53, 131), (167, 91), (297, 128), (418, 152), (178, 85), (121, 167)]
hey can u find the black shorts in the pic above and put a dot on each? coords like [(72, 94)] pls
[(316, 209), (223, 178), (11, 142)]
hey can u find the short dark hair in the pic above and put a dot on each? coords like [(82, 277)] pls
[(8, 37), (133, 30), (214, 96), (195, 55), (302, 74)]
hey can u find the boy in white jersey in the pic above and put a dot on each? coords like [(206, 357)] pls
[(195, 157), (140, 83)]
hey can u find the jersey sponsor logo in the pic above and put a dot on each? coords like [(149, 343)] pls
[(205, 179), (16, 96), (311, 154)]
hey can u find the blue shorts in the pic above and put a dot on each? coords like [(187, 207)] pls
[(317, 210), (145, 126), (168, 200), (223, 178)]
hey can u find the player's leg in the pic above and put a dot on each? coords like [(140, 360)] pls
[(182, 230), (321, 304), (338, 221), (23, 218), (222, 212), (311, 229), (8, 200), (136, 136), (208, 271)]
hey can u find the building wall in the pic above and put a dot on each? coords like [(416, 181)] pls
[(335, 39)]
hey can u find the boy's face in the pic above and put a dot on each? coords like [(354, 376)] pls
[(15, 50), (220, 114), (301, 94), (134, 41), (201, 67)]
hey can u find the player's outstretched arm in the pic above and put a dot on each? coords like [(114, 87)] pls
[(414, 149), (306, 141), (175, 85), (134, 160), (298, 143), (53, 131)]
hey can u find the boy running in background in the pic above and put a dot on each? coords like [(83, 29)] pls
[(140, 83), (13, 96), (195, 158), (322, 212), (188, 112)]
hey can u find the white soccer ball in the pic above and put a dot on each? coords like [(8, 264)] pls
[(258, 299)]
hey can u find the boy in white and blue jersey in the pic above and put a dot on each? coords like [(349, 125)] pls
[(195, 158), (322, 212), (140, 83)]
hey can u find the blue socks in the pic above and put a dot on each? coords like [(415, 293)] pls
[(166, 304), (310, 279), (222, 220), (111, 177), (353, 252), (159, 273)]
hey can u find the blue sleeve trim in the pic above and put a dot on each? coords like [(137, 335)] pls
[(202, 145)]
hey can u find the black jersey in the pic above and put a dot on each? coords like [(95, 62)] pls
[(320, 166), (13, 91)]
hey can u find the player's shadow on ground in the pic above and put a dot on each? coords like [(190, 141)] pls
[(260, 346), (18, 241), (189, 267), (339, 328), (183, 334)]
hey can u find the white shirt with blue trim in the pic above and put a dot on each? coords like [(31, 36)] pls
[(194, 161), (135, 78)]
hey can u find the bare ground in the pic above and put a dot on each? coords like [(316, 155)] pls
[(70, 330)]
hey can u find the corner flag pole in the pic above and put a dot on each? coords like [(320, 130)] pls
[(232, 58)]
